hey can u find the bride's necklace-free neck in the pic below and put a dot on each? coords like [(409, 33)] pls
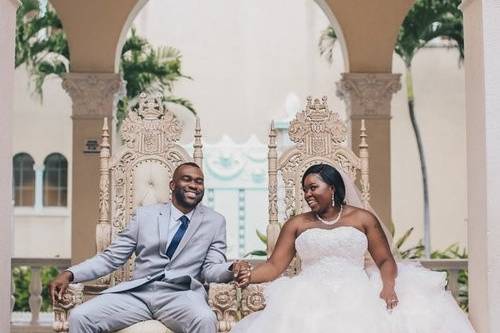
[(332, 222)]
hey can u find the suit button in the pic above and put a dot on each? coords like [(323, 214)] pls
[(148, 277)]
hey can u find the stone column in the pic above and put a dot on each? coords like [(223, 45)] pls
[(368, 96), (7, 39), (482, 104), (94, 97)]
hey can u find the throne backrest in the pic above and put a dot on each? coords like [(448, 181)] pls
[(139, 173), (319, 136)]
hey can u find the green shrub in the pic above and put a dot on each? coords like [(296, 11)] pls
[(22, 278)]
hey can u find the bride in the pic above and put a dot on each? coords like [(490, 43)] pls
[(334, 292)]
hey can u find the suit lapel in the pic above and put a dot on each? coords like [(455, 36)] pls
[(194, 224), (163, 225)]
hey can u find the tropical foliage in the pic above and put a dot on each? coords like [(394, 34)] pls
[(21, 278), (426, 21), (148, 69), (42, 47), (41, 44)]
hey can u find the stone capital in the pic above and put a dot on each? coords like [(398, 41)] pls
[(94, 95), (368, 95)]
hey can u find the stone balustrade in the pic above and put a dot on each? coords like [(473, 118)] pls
[(33, 322), (453, 267)]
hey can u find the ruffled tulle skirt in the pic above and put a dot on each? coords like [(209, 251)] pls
[(350, 303)]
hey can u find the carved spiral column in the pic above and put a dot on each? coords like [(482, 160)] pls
[(94, 97), (368, 96)]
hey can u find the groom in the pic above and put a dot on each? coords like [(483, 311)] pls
[(178, 246)]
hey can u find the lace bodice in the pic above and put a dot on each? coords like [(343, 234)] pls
[(331, 251)]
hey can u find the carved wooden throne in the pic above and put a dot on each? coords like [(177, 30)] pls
[(320, 136), (138, 174)]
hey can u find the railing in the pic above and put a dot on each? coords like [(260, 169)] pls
[(452, 266), (33, 323)]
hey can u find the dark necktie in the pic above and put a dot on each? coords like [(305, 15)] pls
[(178, 236)]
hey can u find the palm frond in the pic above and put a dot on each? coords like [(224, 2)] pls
[(257, 253), (427, 20), (181, 101), (327, 42), (262, 237)]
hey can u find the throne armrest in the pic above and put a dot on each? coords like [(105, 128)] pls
[(252, 299), (72, 297), (223, 300)]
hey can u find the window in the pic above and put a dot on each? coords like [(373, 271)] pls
[(24, 180), (55, 181)]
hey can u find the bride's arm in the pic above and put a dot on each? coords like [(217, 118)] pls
[(381, 254), (281, 257)]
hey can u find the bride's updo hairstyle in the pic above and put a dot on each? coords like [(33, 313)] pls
[(332, 177)]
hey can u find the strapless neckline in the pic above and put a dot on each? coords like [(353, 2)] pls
[(332, 229)]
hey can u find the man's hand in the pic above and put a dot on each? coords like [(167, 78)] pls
[(59, 285), (241, 270)]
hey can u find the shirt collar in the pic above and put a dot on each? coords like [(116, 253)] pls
[(176, 214)]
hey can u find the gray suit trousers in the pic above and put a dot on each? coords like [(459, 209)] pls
[(179, 310)]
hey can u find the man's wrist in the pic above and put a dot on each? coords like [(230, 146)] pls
[(70, 275)]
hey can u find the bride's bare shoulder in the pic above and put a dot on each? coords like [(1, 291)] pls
[(360, 215), (300, 220)]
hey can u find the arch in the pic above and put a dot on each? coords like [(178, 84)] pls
[(370, 30), (93, 29), (55, 180), (23, 179), (338, 31), (126, 27), (321, 3)]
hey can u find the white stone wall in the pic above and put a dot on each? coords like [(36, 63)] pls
[(41, 129), (440, 111)]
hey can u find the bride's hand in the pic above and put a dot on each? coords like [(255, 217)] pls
[(389, 296), (243, 278)]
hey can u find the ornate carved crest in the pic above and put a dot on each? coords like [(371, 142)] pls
[(150, 128), (321, 137), (317, 130)]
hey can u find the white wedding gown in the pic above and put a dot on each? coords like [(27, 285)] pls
[(334, 293)]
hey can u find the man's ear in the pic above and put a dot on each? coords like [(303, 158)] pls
[(171, 184)]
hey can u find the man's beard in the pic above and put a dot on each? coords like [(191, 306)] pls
[(181, 199)]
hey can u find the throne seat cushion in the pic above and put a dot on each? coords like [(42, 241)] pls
[(151, 181), (148, 326)]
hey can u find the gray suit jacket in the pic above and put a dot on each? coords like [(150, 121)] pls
[(200, 256)]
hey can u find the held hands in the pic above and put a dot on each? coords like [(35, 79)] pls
[(241, 270), (389, 296), (59, 285)]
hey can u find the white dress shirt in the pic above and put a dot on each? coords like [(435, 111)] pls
[(175, 221)]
